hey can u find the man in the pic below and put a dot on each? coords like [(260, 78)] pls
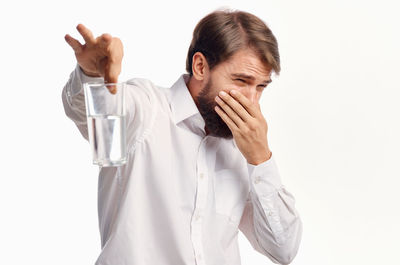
[(199, 167)]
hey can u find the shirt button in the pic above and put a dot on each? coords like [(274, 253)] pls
[(257, 180), (198, 217), (201, 175)]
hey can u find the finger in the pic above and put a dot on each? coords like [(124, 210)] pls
[(105, 40), (238, 108), (112, 88), (112, 72), (75, 44), (245, 102), (230, 112), (86, 33), (232, 126)]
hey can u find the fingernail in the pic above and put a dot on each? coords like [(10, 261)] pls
[(222, 93), (233, 92)]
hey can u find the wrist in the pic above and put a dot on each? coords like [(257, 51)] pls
[(261, 159), (90, 74)]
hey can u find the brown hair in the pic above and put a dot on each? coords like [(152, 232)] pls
[(222, 33)]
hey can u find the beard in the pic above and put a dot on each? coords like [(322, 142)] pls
[(215, 125)]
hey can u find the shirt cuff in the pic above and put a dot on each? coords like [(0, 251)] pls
[(265, 177), (83, 79)]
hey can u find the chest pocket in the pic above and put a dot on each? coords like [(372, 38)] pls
[(230, 192)]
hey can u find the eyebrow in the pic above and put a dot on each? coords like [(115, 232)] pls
[(250, 77)]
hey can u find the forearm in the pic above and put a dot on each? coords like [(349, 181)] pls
[(276, 223), (74, 99), (277, 229)]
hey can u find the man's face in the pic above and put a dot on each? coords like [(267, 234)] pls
[(244, 72)]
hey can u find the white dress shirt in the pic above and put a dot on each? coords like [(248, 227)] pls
[(182, 196)]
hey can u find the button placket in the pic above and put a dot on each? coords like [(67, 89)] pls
[(200, 203)]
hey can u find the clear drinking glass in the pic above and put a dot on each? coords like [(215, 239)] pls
[(106, 123)]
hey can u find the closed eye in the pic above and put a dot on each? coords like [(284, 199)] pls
[(261, 88), (241, 80)]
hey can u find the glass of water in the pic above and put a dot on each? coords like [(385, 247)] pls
[(106, 122)]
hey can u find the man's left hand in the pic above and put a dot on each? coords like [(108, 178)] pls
[(247, 124)]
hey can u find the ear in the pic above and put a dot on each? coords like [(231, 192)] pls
[(200, 67)]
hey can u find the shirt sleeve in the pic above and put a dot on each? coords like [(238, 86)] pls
[(74, 99), (270, 221)]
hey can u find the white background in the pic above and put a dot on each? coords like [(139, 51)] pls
[(333, 118)]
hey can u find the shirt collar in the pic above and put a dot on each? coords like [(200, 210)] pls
[(181, 101)]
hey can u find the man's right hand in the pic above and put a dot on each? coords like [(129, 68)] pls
[(101, 56)]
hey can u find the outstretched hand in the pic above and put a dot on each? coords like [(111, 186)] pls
[(98, 57)]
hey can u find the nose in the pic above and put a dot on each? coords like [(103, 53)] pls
[(250, 93)]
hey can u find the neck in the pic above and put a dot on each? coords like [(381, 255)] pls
[(194, 87)]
